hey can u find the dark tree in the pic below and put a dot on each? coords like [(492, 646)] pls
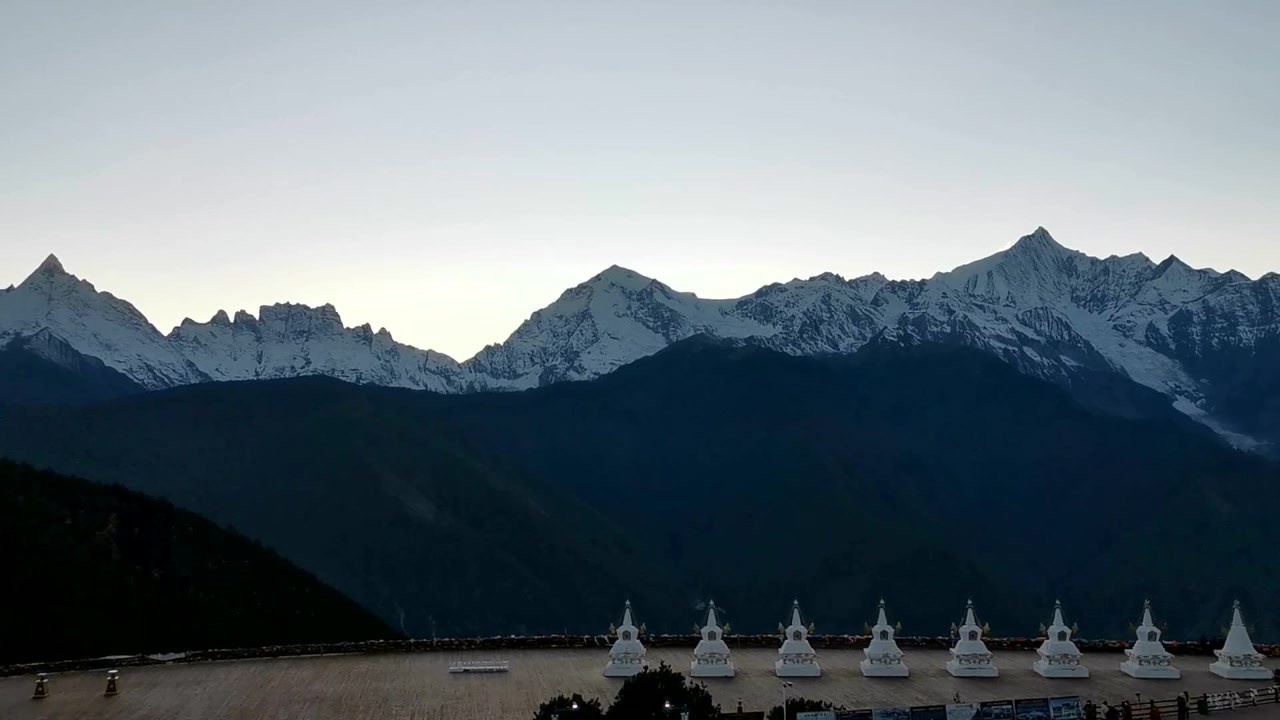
[(573, 707), (660, 695), (797, 705)]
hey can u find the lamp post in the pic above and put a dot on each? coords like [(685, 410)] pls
[(785, 685), (668, 708)]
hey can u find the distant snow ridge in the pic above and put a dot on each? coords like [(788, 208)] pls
[(1038, 305), (1048, 310), (287, 340)]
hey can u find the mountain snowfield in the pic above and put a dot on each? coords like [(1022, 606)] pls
[(1050, 311)]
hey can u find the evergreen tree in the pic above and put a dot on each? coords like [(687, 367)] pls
[(662, 694), (573, 707)]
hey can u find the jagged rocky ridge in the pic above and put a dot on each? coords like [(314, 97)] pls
[(1208, 341)]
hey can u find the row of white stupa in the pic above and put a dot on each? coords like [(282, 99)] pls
[(1057, 656)]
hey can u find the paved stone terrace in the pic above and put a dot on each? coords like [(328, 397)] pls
[(417, 686)]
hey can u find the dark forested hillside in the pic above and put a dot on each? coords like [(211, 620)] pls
[(922, 474), (41, 369), (94, 570)]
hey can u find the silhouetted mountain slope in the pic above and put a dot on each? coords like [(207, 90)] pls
[(94, 570), (363, 487), (924, 474), (41, 369), (803, 463)]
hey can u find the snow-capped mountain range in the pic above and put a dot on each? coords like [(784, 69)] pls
[(1051, 311)]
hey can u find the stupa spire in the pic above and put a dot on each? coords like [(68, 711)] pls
[(626, 615), (1057, 614), (1237, 620), (795, 614), (880, 616), (1238, 639), (969, 617), (1146, 614)]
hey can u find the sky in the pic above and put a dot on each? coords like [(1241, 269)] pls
[(443, 169)]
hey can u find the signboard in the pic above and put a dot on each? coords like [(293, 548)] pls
[(929, 712), (962, 711), (891, 714), (1032, 709), (816, 715), (853, 715), (996, 710), (1065, 708)]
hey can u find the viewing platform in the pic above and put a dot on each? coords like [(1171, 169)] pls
[(418, 685)]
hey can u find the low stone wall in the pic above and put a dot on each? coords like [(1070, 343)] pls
[(552, 642)]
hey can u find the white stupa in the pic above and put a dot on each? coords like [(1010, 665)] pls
[(1058, 655), (970, 657), (883, 658), (1148, 659), (711, 656), (1238, 660), (796, 657), (626, 657)]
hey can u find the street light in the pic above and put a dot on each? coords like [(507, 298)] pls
[(668, 708), (573, 708), (785, 685)]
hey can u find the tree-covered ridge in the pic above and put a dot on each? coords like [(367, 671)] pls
[(97, 569), (924, 475)]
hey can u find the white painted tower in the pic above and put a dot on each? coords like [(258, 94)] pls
[(1238, 660), (711, 656), (1148, 659), (796, 657), (883, 658), (970, 656), (626, 657), (1058, 656)]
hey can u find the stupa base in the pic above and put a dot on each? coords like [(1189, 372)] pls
[(1240, 673), (870, 669), (1044, 669), (801, 670), (622, 670), (1147, 672), (972, 671), (711, 671)]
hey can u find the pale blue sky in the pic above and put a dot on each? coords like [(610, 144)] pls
[(444, 169)]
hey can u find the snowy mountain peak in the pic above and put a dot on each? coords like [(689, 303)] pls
[(828, 277), (51, 266), (51, 271), (621, 277), (1174, 262), (296, 316), (1050, 311), (1040, 242), (96, 324)]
